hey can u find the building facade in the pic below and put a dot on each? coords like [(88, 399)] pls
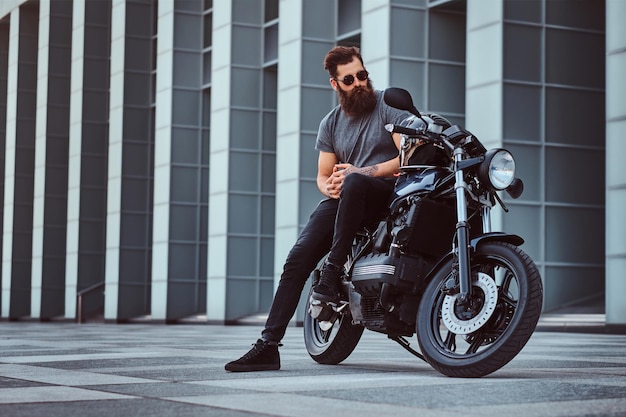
[(158, 155)]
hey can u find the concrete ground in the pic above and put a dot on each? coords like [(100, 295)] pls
[(570, 367)]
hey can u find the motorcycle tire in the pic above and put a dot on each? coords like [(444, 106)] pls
[(495, 331), (332, 346)]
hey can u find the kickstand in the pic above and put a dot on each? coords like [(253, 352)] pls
[(405, 344)]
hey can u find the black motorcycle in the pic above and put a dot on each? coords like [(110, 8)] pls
[(432, 266)]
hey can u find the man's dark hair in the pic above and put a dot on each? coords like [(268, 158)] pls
[(340, 55)]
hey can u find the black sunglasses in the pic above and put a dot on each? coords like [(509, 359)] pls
[(349, 79)]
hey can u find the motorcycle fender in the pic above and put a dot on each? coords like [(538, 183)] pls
[(474, 244)]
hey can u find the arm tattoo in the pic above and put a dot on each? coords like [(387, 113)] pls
[(369, 171)]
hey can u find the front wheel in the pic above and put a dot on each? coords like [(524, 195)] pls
[(330, 346), (476, 338)]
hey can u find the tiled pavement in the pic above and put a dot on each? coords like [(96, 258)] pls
[(136, 370)]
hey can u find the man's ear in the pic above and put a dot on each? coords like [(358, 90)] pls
[(333, 84)]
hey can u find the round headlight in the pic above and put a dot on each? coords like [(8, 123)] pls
[(501, 170)]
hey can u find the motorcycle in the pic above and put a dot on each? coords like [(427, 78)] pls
[(432, 266)]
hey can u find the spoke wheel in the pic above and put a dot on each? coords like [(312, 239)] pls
[(478, 337)]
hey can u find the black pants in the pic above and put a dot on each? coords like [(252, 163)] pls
[(363, 200)]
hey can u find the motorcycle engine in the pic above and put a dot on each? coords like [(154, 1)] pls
[(381, 285)]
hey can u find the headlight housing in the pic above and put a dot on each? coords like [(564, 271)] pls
[(498, 169)]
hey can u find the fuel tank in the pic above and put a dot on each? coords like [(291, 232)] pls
[(413, 180)]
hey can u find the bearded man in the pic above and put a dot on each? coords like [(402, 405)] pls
[(357, 161)]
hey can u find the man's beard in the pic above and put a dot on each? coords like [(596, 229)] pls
[(359, 101)]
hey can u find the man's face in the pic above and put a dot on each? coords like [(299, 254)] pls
[(358, 97)]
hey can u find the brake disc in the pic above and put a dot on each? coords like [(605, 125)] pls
[(459, 325)]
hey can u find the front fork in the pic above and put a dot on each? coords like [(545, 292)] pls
[(462, 231)]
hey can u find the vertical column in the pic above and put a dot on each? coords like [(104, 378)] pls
[(162, 160), (376, 40), (219, 161), (20, 154), (484, 79), (130, 177), (180, 204), (51, 154), (87, 164), (4, 64), (615, 168), (302, 43)]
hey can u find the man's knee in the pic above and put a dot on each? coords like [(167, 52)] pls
[(355, 181)]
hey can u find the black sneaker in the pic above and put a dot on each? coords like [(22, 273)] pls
[(327, 288), (262, 357)]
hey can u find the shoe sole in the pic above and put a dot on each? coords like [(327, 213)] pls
[(248, 368), (324, 297)]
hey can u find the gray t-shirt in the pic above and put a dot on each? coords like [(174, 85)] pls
[(360, 141)]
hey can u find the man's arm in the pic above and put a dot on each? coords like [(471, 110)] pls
[(330, 174)]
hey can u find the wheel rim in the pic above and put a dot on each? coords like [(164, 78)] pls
[(322, 338), (474, 338)]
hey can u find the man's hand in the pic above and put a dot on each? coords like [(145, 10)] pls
[(335, 181)]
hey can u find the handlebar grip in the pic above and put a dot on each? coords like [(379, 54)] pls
[(403, 130)]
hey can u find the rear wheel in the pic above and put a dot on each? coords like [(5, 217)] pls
[(477, 338), (329, 342)]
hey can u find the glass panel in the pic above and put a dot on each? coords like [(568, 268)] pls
[(208, 30), (446, 88), (247, 45), (408, 37), (206, 108), (567, 50), (271, 43), (528, 169), (586, 14), (135, 194), (266, 294), (526, 11), (271, 10), (137, 88), (182, 261), (187, 69), (525, 221), (410, 75), (241, 297), (317, 103), (246, 11), (184, 184), (522, 112), (135, 160), (574, 176), (348, 16), (242, 256), (245, 87), (565, 109), (269, 131), (566, 284), (270, 87), (132, 269), (133, 230), (185, 107), (268, 175), (185, 146), (268, 205), (187, 30), (522, 49), (206, 67), (243, 214), (183, 222), (313, 71), (244, 129), (244, 172), (267, 257), (447, 36), (574, 235)]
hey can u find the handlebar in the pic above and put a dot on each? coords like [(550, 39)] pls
[(403, 130)]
